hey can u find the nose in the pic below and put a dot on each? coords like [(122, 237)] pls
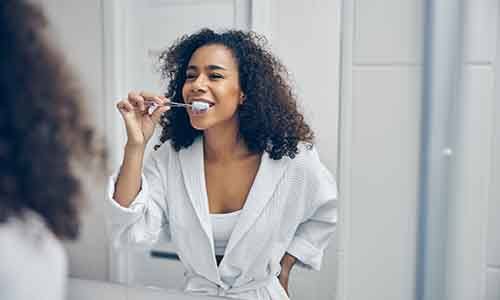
[(199, 85)]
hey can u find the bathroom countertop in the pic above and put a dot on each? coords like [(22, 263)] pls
[(83, 289)]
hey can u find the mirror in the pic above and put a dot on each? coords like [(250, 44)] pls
[(169, 20), (114, 46)]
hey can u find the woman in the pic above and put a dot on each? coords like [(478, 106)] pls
[(238, 188), (41, 131)]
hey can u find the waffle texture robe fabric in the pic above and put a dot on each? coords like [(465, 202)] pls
[(291, 207)]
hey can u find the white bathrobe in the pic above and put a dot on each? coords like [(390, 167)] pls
[(291, 207)]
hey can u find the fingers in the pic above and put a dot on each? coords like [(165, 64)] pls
[(143, 99), (155, 105), (139, 102), (151, 98), (156, 115), (124, 106)]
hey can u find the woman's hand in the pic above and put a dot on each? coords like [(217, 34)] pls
[(139, 124), (287, 263)]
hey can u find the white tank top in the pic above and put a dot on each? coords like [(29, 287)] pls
[(222, 227)]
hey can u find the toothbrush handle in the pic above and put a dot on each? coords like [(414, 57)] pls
[(172, 104), (177, 104)]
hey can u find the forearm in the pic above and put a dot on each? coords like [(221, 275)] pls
[(128, 183), (287, 263)]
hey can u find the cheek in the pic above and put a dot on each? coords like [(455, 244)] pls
[(185, 90), (230, 106), (230, 97)]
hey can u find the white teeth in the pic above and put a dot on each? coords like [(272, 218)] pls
[(200, 106)]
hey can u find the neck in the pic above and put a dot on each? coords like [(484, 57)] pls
[(223, 144)]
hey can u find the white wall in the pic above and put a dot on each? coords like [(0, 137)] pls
[(379, 148), (306, 37)]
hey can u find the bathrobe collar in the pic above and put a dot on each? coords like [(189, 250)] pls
[(193, 170)]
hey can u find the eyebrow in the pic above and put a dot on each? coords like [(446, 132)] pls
[(210, 67)]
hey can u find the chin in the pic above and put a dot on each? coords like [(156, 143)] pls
[(199, 125)]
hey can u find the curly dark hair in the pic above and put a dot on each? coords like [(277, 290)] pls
[(41, 124), (269, 118)]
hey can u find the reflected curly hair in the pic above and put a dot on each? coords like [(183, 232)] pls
[(268, 118), (41, 124)]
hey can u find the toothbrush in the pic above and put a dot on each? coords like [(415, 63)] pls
[(197, 106)]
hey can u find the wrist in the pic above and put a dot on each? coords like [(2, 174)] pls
[(135, 147), (285, 270), (284, 274)]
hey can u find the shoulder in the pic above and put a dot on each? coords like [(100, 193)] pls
[(30, 239), (31, 243), (161, 155), (166, 149), (307, 153), (306, 160), (308, 167)]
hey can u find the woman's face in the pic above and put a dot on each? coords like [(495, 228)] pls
[(212, 76)]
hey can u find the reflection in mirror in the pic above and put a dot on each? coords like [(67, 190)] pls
[(236, 196), (271, 164), (120, 58)]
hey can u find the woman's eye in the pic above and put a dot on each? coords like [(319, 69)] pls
[(190, 76), (216, 76)]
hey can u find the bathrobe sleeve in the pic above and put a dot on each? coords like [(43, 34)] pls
[(320, 219), (145, 220)]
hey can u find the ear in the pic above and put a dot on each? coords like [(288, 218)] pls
[(242, 98)]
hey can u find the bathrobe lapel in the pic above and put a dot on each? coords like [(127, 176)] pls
[(193, 172), (268, 176)]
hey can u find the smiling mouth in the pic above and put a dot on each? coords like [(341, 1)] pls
[(210, 103), (200, 107)]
